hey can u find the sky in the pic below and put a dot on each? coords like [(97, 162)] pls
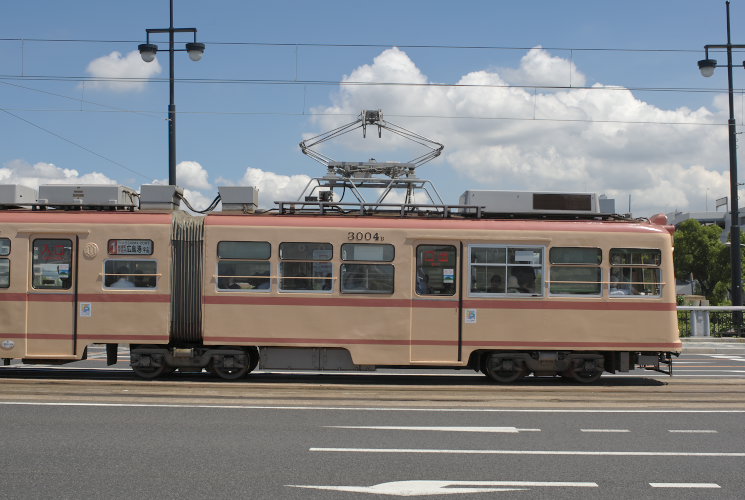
[(580, 96)]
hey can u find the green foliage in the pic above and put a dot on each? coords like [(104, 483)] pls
[(700, 253)]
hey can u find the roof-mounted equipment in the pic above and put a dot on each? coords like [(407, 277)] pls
[(384, 177)]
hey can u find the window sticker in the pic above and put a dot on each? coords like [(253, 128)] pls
[(471, 316), (86, 309)]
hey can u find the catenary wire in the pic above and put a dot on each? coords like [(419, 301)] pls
[(75, 144)]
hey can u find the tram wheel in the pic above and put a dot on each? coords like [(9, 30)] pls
[(585, 374), (230, 366), (149, 365), (502, 370), (150, 372)]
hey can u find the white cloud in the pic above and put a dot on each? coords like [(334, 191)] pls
[(540, 68), (273, 187), (602, 139), (115, 66), (191, 174), (23, 173)]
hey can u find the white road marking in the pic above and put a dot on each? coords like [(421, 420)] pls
[(693, 431), (684, 485), (605, 430), (416, 488), (355, 408), (533, 452), (727, 356), (508, 430)]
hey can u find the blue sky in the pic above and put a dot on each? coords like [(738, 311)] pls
[(667, 149)]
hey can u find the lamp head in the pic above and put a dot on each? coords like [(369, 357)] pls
[(195, 50), (147, 51), (707, 67)]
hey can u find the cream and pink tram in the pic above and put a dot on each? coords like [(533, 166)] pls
[(228, 292)]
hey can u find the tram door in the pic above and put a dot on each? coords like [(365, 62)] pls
[(436, 303), (51, 296)]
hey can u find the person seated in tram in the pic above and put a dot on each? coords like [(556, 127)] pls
[(522, 280), (619, 285), (123, 280), (496, 284)]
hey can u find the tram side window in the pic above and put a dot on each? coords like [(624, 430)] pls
[(367, 277), (130, 273), (575, 271), (51, 264), (305, 267), (4, 263), (635, 271), (505, 270), (435, 269), (244, 265)]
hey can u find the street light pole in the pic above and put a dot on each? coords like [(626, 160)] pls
[(148, 51), (707, 67)]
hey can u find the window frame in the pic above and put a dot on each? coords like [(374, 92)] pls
[(569, 265), (641, 267), (370, 263), (385, 245), (314, 264), (5, 257), (128, 259), (419, 267), (507, 266), (241, 260), (34, 264)]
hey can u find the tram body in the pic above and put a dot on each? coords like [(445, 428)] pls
[(226, 292)]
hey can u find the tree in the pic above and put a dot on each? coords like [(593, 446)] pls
[(700, 253)]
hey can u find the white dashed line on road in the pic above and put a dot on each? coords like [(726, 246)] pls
[(685, 485), (693, 431), (507, 430)]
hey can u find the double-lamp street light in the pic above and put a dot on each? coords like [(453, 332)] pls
[(707, 67), (147, 51)]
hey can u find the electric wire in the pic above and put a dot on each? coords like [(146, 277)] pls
[(75, 144)]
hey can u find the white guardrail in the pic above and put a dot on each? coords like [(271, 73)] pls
[(700, 325)]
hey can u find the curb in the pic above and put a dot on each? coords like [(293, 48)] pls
[(713, 345)]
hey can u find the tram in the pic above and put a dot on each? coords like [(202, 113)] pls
[(508, 284), (225, 291)]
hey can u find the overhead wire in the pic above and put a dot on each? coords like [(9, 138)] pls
[(75, 144)]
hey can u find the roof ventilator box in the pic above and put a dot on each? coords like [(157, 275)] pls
[(527, 202), (14, 195), (88, 196), (243, 199), (160, 197)]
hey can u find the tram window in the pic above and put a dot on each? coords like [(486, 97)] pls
[(505, 270), (51, 264), (257, 250), (243, 275), (435, 269), (635, 271), (575, 271), (244, 265), (130, 273), (4, 263), (367, 278), (308, 268), (372, 252), (4, 273)]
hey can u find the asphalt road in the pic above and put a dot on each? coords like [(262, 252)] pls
[(125, 451), (84, 430)]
